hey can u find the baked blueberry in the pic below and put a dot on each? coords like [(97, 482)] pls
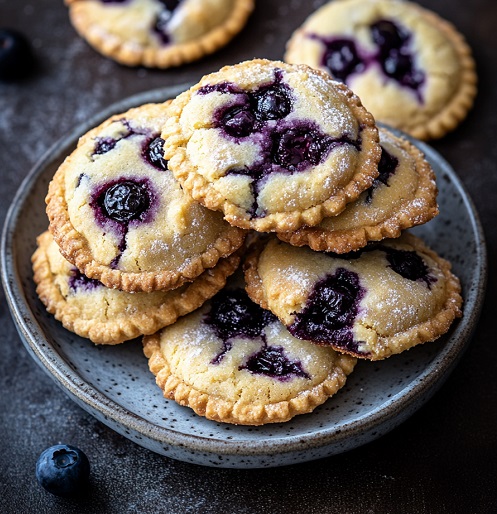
[(272, 362), (408, 264), (234, 314), (272, 102), (63, 470), (163, 18), (330, 311), (238, 121), (16, 56), (154, 153), (124, 201), (80, 282), (342, 59), (386, 168)]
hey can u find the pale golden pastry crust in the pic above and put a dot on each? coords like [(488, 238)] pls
[(383, 217), (300, 208), (110, 316), (224, 392), (385, 325), (451, 96), (147, 50), (77, 246)]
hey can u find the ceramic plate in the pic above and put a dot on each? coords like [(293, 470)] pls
[(114, 384)]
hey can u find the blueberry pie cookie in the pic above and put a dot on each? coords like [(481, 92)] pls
[(373, 303), (109, 316), (158, 33), (273, 146), (403, 195), (234, 362), (120, 217), (412, 69)]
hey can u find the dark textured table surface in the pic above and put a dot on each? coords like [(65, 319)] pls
[(442, 460)]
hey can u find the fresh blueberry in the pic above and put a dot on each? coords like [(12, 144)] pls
[(63, 470), (16, 57), (154, 153), (125, 201)]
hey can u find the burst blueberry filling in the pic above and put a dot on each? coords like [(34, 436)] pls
[(233, 314), (386, 168), (343, 58), (272, 361), (285, 146), (80, 282), (408, 264), (161, 24), (330, 311)]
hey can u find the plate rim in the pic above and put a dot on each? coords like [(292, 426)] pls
[(69, 380)]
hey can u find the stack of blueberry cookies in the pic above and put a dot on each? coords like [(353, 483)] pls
[(274, 164)]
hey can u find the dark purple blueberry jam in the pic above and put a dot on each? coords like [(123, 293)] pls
[(386, 168), (222, 87), (297, 148), (394, 55), (408, 264), (124, 201), (154, 153), (80, 282), (388, 35), (237, 121), (251, 110), (342, 59), (234, 314), (329, 313), (272, 361), (104, 145), (163, 18), (272, 102)]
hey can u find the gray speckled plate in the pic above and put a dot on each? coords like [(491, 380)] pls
[(114, 384)]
